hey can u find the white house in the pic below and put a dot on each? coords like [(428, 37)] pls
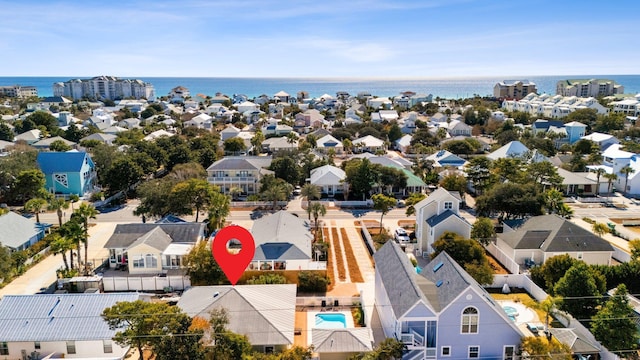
[(437, 214), (59, 326), (329, 142), (601, 139), (368, 143), (329, 179)]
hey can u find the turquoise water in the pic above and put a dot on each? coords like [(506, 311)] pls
[(511, 312), (331, 321), (252, 87)]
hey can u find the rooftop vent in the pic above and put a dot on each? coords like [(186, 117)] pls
[(438, 266), (439, 283)]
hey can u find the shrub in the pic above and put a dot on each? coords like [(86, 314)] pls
[(270, 278), (588, 220), (312, 282)]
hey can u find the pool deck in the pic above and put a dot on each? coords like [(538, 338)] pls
[(525, 315), (311, 321)]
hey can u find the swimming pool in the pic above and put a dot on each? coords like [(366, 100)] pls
[(331, 321), (511, 312)]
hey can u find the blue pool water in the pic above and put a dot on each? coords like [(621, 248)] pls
[(331, 321), (511, 312)]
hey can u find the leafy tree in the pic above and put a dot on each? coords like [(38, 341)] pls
[(6, 133), (312, 281), (585, 116), (35, 206), (361, 176), (581, 287), (454, 182), (28, 184), (600, 228), (584, 147), (394, 133), (466, 252), (390, 177), (552, 271), (510, 200), (508, 169), (609, 123), (479, 173), (227, 345), (5, 262), (541, 347), (154, 197), (388, 349), (83, 214), (59, 146), (180, 154), (553, 201), (459, 147), (234, 145), (202, 268), (73, 198), (257, 141), (614, 324), (193, 194), (310, 191), (483, 231), (43, 118), (384, 204), (287, 169), (543, 172), (413, 199), (634, 248), (122, 173), (424, 137)]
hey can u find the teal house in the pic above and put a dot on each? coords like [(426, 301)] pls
[(67, 173)]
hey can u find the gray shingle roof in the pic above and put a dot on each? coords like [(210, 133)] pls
[(341, 340), (551, 233), (454, 279), (56, 317), (241, 163), (279, 251), (436, 219), (156, 238), (283, 228), (265, 313), (126, 234), (398, 277), (16, 230)]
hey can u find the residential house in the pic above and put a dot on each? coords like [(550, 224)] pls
[(103, 138), (456, 128), (276, 129), (614, 160), (275, 144), (310, 118), (542, 237), (113, 130), (419, 99), (602, 140), (581, 183), (245, 106), (514, 89), (583, 346), (30, 137), (441, 312), (553, 106), (179, 94), (201, 121), (45, 143), (70, 172), (368, 143), (446, 159), (329, 179), (263, 313), (54, 326), (327, 142), (229, 132), (130, 123), (628, 106), (4, 147), (158, 134), (338, 344), (404, 143), (379, 103), (18, 232), (150, 249), (575, 131), (283, 242), (388, 115), (438, 118), (244, 172), (414, 183), (282, 96), (437, 214), (516, 149)]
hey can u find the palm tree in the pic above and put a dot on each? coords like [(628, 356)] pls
[(235, 191), (277, 190), (73, 198), (72, 230), (600, 228), (83, 214), (317, 209), (219, 209), (57, 204), (34, 206), (626, 171), (611, 178), (565, 211), (310, 192), (599, 173), (550, 308), (60, 245)]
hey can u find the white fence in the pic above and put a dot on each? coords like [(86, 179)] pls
[(328, 301), (239, 204), (503, 258), (317, 265), (620, 254), (146, 283)]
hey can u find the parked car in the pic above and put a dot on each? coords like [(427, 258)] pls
[(401, 235)]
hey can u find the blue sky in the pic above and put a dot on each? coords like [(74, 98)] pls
[(301, 38)]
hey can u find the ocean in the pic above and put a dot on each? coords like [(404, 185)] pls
[(252, 87)]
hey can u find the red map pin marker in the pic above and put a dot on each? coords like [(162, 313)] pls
[(233, 265)]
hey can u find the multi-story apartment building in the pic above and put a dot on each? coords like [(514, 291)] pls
[(628, 106), (553, 106), (18, 91), (243, 172), (514, 89), (588, 87), (104, 87)]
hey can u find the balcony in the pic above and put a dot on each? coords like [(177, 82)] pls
[(230, 179)]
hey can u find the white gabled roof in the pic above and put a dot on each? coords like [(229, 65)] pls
[(614, 152), (327, 175), (512, 149), (597, 137), (369, 141), (328, 139)]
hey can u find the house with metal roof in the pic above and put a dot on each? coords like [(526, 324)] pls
[(516, 149), (244, 172), (327, 142), (542, 237), (337, 344), (264, 313), (18, 232), (152, 248), (45, 143), (59, 326), (283, 242), (329, 179), (446, 159), (368, 143), (437, 214), (70, 172), (441, 312)]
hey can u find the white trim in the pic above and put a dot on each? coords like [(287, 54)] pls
[(469, 351), (477, 317), (513, 354), (442, 351)]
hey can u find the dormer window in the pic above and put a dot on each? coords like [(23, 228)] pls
[(448, 205)]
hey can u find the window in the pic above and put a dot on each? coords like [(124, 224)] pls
[(509, 353), (446, 351), (151, 261), (36, 345), (448, 205), (107, 346), (268, 349), (4, 348), (470, 321), (71, 347), (474, 352), (138, 261)]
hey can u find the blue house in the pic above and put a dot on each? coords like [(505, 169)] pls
[(575, 130), (18, 232), (441, 313), (69, 172)]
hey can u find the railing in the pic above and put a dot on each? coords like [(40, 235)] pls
[(239, 204), (232, 179), (412, 339)]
